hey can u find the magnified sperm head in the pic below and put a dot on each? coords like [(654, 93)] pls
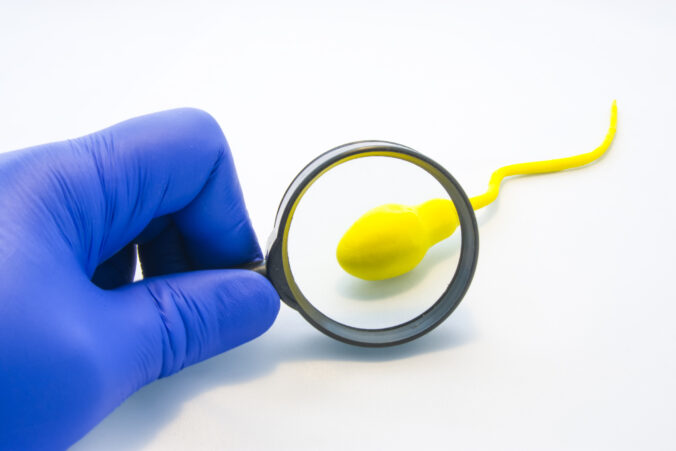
[(391, 239)]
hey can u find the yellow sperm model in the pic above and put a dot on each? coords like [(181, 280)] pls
[(390, 240)]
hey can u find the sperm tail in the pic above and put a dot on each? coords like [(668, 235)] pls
[(542, 167)]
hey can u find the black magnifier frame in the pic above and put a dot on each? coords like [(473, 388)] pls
[(278, 269)]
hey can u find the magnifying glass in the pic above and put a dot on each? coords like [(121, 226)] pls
[(322, 202), (402, 267)]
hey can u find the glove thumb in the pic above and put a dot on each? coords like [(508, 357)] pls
[(186, 318)]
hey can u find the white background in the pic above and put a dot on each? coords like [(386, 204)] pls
[(566, 339)]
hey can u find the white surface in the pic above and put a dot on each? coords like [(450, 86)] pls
[(566, 339)]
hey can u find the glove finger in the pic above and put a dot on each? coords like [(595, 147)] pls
[(103, 189), (215, 226), (193, 316)]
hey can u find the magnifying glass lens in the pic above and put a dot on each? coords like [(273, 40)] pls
[(374, 242)]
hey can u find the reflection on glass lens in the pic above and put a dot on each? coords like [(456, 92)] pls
[(374, 242)]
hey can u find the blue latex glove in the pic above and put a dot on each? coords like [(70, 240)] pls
[(76, 336)]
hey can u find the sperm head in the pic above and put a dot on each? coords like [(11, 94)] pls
[(390, 240)]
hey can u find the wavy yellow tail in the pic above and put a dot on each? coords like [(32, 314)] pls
[(542, 167), (392, 239)]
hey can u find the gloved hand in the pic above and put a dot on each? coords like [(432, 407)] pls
[(76, 336)]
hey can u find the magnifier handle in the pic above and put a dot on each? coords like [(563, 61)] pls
[(272, 274), (258, 266)]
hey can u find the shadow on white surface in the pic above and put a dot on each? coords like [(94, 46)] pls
[(139, 419)]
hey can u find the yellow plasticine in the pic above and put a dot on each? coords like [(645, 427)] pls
[(390, 240)]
